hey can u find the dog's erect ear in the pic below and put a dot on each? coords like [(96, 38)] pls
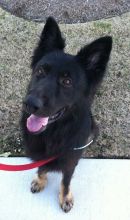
[(50, 40), (94, 57)]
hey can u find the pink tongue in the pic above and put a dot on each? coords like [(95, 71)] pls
[(35, 123)]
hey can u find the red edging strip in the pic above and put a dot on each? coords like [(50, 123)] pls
[(7, 167)]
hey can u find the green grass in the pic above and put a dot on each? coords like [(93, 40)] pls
[(2, 15), (102, 25)]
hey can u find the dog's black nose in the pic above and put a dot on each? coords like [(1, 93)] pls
[(32, 104)]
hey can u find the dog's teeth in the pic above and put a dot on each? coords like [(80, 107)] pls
[(58, 114)]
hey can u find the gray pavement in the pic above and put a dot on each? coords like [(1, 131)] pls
[(101, 190), (66, 11)]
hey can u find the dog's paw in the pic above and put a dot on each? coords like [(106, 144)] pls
[(38, 184), (67, 204), (35, 187), (66, 201)]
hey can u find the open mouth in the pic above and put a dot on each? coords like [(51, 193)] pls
[(36, 124)]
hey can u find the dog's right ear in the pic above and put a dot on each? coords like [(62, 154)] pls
[(94, 58), (50, 40)]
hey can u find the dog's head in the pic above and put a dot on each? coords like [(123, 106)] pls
[(60, 80)]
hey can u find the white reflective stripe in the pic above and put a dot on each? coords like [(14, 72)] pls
[(79, 148)]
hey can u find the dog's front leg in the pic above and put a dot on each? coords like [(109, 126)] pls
[(40, 181), (65, 195)]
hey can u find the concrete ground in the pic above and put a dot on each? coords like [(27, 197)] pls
[(101, 190), (66, 11), (111, 108)]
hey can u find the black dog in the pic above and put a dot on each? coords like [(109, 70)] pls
[(56, 116)]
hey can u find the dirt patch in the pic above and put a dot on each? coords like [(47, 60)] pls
[(66, 11), (111, 108)]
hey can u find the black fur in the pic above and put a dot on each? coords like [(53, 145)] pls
[(86, 71)]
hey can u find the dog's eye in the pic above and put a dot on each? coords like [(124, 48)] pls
[(40, 72), (67, 82)]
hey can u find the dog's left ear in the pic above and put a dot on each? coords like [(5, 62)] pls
[(93, 58), (50, 40)]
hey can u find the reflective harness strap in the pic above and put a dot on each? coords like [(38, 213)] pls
[(80, 148)]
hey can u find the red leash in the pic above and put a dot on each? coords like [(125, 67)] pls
[(7, 167)]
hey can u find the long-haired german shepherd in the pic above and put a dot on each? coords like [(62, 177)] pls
[(56, 115)]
